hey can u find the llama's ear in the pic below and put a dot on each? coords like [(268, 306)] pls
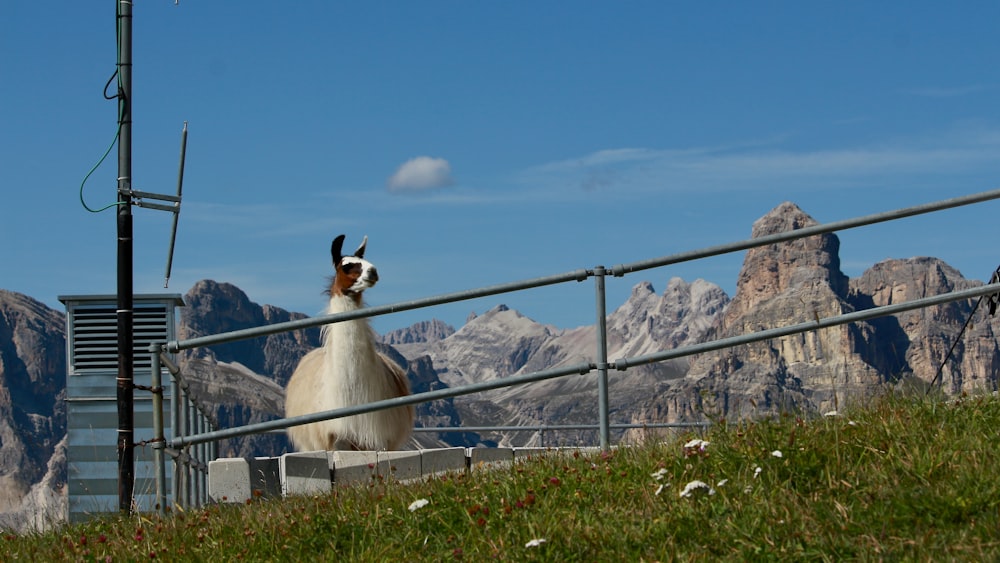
[(360, 252), (335, 250)]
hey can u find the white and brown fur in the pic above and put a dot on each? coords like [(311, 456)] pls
[(347, 370)]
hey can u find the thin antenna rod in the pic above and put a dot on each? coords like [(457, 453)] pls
[(177, 206)]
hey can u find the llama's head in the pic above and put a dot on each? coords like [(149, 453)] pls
[(352, 274)]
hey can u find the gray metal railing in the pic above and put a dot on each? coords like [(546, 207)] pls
[(190, 478), (601, 364)]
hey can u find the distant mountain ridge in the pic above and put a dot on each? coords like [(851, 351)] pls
[(813, 372)]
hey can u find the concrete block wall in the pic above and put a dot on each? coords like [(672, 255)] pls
[(236, 480)]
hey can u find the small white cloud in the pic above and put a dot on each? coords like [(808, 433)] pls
[(419, 174)]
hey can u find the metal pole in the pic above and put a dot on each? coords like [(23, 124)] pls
[(602, 357), (159, 440), (124, 383), (202, 341), (181, 467), (199, 459), (189, 427), (175, 425)]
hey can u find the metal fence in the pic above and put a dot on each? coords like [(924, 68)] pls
[(190, 475), (600, 365)]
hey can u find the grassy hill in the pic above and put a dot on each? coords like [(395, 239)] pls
[(900, 478)]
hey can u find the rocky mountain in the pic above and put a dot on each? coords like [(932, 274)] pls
[(779, 284), (924, 336), (503, 342), (421, 332), (32, 410)]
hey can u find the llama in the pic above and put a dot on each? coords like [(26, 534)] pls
[(347, 370)]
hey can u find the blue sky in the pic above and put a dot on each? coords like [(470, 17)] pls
[(478, 143)]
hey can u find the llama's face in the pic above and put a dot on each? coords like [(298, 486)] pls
[(358, 274), (353, 274)]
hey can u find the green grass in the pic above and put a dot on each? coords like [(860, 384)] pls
[(902, 479)]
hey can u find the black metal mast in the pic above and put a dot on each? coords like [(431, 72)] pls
[(125, 380)]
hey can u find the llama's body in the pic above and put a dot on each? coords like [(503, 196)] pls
[(346, 371)]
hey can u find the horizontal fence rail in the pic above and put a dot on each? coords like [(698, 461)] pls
[(222, 338), (584, 368), (823, 228), (541, 429), (556, 427), (576, 369), (579, 275), (846, 318)]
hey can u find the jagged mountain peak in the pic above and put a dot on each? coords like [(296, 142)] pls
[(421, 332), (787, 216), (797, 266)]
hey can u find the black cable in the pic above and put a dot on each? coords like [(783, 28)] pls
[(106, 96)]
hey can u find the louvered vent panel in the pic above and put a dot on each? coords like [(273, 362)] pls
[(95, 342)]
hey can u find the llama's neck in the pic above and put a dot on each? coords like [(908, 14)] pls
[(348, 342)]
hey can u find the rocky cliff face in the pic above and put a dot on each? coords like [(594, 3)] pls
[(925, 336), (241, 382), (420, 333), (780, 285), (819, 371), (32, 400)]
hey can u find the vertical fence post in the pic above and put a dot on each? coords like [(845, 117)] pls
[(189, 451), (196, 452), (602, 357), (159, 440), (180, 463), (175, 427)]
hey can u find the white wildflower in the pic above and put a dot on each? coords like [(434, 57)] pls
[(693, 486), (660, 474), (831, 413), (658, 490), (418, 504), (776, 453), (756, 471), (722, 482), (535, 542), (696, 444)]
